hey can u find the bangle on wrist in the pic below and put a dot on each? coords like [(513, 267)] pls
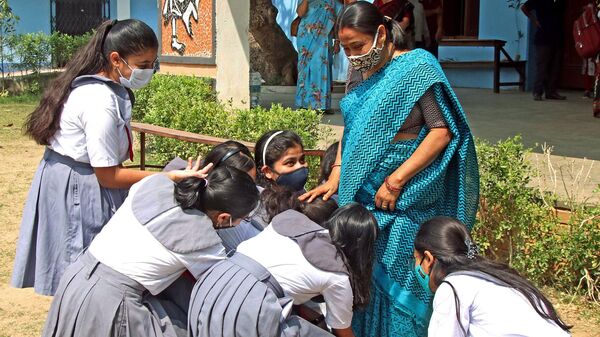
[(336, 165), (392, 188)]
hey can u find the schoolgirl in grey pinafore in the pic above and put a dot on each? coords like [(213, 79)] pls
[(66, 206), (238, 297), (148, 244)]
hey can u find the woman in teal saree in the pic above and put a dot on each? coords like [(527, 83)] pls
[(407, 154)]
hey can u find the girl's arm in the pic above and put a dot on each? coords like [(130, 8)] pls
[(343, 332), (330, 187), (119, 177), (433, 144), (302, 8)]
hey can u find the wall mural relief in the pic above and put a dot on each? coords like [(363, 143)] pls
[(187, 31)]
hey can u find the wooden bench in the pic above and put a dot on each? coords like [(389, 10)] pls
[(496, 64), (185, 136)]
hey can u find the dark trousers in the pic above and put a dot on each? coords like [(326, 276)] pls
[(547, 62), (433, 48)]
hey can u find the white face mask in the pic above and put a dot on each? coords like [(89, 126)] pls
[(139, 77)]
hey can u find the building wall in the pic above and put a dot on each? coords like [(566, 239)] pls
[(145, 10), (34, 15), (233, 51), (496, 21)]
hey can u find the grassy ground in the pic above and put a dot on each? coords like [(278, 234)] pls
[(22, 313)]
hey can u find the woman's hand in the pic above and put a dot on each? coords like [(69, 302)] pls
[(385, 199), (192, 170), (326, 190)]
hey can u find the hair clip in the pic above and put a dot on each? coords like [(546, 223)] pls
[(472, 249), (205, 182)]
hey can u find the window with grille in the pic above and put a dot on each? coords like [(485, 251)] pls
[(76, 17)]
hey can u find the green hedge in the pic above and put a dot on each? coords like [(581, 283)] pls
[(190, 104), (517, 223)]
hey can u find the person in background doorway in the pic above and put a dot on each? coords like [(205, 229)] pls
[(435, 17), (588, 70), (548, 19), (422, 37)]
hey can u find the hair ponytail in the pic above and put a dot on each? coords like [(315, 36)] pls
[(353, 230), (188, 192), (366, 18), (127, 37), (225, 189), (395, 33)]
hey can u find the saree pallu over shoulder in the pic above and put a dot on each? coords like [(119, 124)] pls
[(373, 114), (375, 111)]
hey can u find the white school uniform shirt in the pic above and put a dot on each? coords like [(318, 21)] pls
[(421, 28), (299, 279), (94, 126), (133, 250), (486, 309)]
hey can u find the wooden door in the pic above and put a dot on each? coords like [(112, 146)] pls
[(570, 73)]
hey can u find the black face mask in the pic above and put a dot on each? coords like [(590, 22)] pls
[(294, 180)]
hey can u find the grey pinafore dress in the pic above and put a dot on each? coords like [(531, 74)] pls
[(94, 300), (239, 297), (65, 208)]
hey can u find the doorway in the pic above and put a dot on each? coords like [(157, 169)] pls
[(570, 72)]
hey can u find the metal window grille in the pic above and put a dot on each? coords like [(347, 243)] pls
[(76, 17)]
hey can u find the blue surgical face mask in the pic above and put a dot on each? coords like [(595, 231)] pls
[(294, 180), (423, 278)]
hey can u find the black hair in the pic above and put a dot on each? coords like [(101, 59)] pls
[(127, 37), (276, 149), (446, 239), (327, 161), (225, 189), (366, 18), (231, 153), (353, 230), (276, 199)]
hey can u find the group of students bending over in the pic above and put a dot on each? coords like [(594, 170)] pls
[(238, 254)]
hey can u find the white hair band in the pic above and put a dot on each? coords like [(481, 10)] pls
[(264, 154)]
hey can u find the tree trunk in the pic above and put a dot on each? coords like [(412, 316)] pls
[(271, 52)]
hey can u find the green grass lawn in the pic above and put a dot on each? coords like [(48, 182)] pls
[(22, 313)]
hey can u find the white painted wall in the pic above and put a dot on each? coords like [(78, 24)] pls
[(233, 51), (123, 9)]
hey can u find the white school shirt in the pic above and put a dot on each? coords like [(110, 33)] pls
[(299, 279), (129, 248), (486, 310), (421, 28), (94, 126)]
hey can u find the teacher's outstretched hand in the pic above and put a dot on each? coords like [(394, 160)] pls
[(326, 189)]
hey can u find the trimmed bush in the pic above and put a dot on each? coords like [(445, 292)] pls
[(190, 104), (517, 224)]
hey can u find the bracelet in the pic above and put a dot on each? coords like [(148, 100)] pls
[(336, 165), (390, 187)]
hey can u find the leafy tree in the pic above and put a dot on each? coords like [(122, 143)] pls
[(8, 22)]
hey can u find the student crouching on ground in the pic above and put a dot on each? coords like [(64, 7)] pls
[(473, 295), (162, 229)]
